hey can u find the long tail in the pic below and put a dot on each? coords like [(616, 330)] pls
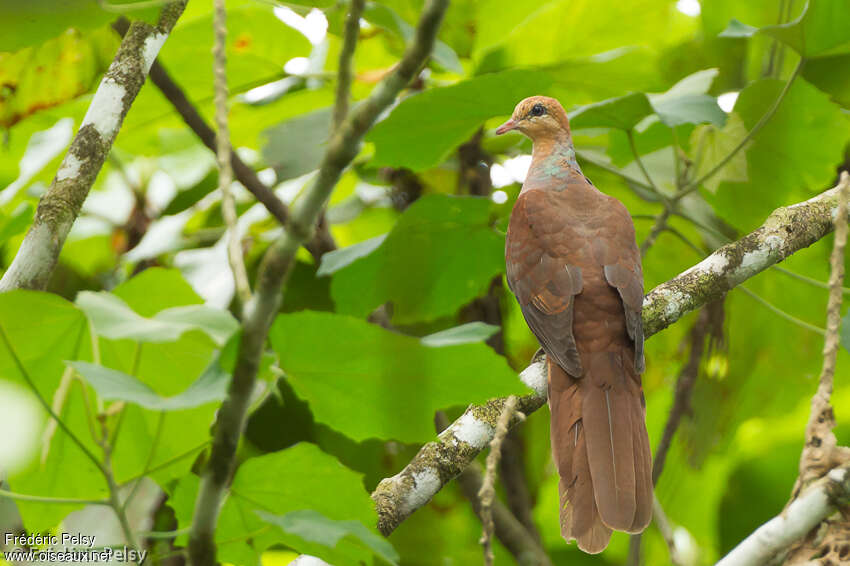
[(601, 448)]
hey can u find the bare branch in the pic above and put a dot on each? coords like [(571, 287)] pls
[(222, 153), (487, 491), (814, 505), (60, 205), (787, 230), (261, 310)]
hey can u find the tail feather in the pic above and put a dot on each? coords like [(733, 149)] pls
[(607, 417), (601, 449), (643, 470)]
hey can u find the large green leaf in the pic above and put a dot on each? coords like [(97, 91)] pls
[(33, 22), (58, 70), (169, 369), (793, 156), (820, 28), (113, 385), (823, 73), (372, 383), (42, 330), (296, 479), (440, 255), (113, 318), (424, 127), (296, 146), (713, 145), (337, 542), (623, 112), (550, 32)]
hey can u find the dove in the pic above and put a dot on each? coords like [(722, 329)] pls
[(575, 269)]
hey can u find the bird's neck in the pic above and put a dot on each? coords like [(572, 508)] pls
[(553, 159)]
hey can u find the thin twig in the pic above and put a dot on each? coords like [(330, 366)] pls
[(225, 169), (787, 316), (819, 452), (515, 536), (487, 493), (630, 134)]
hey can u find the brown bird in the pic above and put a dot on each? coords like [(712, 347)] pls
[(574, 266)]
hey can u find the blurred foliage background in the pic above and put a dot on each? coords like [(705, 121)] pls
[(419, 223)]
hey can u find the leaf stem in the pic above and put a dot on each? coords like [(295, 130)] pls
[(57, 500)]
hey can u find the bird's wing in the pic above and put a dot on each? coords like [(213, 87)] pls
[(542, 277), (619, 255)]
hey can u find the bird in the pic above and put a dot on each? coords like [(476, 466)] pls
[(574, 266)]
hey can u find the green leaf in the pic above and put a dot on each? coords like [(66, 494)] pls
[(299, 478), (330, 538), (623, 112), (425, 127), (440, 255), (42, 330), (820, 28), (687, 102), (463, 334), (541, 33), (17, 222), (378, 384), (793, 155), (35, 22), (113, 319), (385, 17), (54, 72), (113, 385), (296, 146), (713, 144), (337, 259), (821, 72), (690, 109)]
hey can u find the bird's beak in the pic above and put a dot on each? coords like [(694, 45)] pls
[(506, 127)]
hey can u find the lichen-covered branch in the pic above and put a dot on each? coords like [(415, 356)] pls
[(815, 504), (260, 311), (60, 205), (786, 230)]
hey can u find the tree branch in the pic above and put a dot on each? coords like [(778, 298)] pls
[(60, 205), (223, 153), (346, 58), (803, 514), (274, 269), (319, 245), (785, 231)]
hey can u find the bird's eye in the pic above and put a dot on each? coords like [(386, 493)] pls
[(538, 110)]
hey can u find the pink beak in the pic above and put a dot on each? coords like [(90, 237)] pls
[(506, 127)]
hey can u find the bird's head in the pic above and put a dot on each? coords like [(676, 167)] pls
[(538, 117)]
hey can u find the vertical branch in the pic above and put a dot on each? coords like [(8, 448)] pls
[(346, 62), (273, 272), (487, 493), (60, 205), (223, 149), (819, 452)]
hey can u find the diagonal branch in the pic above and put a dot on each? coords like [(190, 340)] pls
[(323, 241), (274, 269), (786, 230), (60, 205), (814, 505)]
